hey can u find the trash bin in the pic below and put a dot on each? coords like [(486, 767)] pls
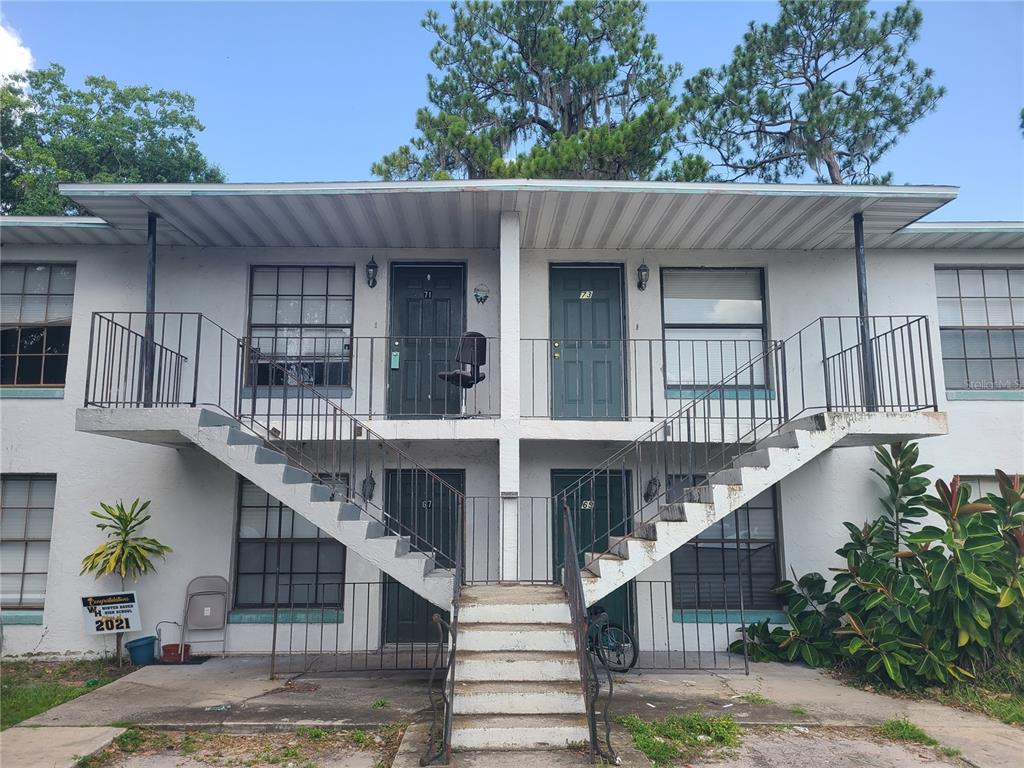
[(142, 650)]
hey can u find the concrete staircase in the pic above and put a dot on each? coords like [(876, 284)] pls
[(517, 678), (222, 437), (672, 525)]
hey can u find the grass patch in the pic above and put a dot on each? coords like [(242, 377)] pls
[(997, 692), (798, 710), (680, 737), (130, 741), (755, 697), (901, 729), (379, 704), (30, 687)]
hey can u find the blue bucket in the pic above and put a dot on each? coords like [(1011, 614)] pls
[(142, 650)]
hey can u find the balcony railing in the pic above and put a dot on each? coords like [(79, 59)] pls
[(632, 379)]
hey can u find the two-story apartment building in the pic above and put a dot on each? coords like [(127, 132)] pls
[(336, 394)]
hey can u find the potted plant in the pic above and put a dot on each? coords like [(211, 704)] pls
[(124, 553)]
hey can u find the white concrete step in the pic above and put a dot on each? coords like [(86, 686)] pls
[(515, 637), (492, 666), (514, 604), (519, 698), (518, 731)]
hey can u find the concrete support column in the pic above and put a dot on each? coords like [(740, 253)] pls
[(508, 446)]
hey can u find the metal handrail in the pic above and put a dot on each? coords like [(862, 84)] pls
[(720, 423), (572, 583), (295, 418)]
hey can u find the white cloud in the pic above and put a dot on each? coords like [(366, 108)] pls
[(15, 56)]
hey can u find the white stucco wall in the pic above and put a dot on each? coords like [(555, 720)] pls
[(193, 497)]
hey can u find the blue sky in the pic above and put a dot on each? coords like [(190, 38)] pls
[(317, 91)]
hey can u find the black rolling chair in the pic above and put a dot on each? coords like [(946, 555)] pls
[(471, 357)]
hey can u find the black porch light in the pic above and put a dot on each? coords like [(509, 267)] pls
[(643, 274), (371, 273)]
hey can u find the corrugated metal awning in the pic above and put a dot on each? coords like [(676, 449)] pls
[(582, 215)]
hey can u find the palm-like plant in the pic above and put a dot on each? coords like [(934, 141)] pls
[(124, 553)]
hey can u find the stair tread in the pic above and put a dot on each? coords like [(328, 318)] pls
[(484, 626), (465, 687), (518, 721), (515, 656), (512, 595)]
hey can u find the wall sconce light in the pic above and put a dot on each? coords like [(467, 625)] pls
[(371, 273), (480, 293), (643, 274)]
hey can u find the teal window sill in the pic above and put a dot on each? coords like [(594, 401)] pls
[(706, 616), (32, 393), (1005, 395), (732, 393), (8, 618), (286, 616)]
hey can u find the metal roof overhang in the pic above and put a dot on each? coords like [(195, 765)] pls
[(555, 214)]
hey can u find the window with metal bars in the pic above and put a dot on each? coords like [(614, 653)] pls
[(26, 519), (981, 324), (35, 323), (714, 324), (301, 319), (739, 552), (280, 551)]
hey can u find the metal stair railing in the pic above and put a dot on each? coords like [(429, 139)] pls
[(823, 367), (199, 363), (590, 679)]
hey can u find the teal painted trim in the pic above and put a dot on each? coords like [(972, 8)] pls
[(21, 617), (287, 616), (1005, 395), (32, 393), (733, 393), (705, 616)]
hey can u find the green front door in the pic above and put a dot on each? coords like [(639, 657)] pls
[(418, 506), (586, 355), (428, 307), (600, 508)]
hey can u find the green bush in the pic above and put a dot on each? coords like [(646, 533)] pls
[(913, 604)]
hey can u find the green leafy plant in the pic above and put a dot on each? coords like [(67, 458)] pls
[(901, 729), (912, 607), (125, 553), (679, 737)]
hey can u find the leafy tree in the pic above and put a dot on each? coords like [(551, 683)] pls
[(580, 86), (828, 87), (53, 134)]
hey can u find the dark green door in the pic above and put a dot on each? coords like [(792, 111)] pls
[(428, 307), (418, 506), (587, 368), (600, 508)]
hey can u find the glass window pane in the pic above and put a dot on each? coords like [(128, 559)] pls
[(249, 590), (1001, 343), (1017, 282), (976, 343), (10, 309), (30, 370), (251, 557), (1017, 307), (314, 282), (1005, 375), (37, 556), (289, 309), (949, 312), (252, 523), (62, 279), (303, 529), (971, 283), (15, 492), (999, 312), (33, 309), (12, 278), (762, 523), (264, 281), (974, 312), (996, 283), (331, 557), (314, 311), (55, 370), (10, 589), (946, 283), (979, 373), (37, 278), (40, 523), (339, 311), (12, 523), (32, 341), (304, 558), (289, 280), (12, 556), (264, 310), (58, 309), (952, 343), (42, 492), (57, 339), (955, 372)]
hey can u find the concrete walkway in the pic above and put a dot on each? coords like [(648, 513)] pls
[(234, 694), (60, 747)]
